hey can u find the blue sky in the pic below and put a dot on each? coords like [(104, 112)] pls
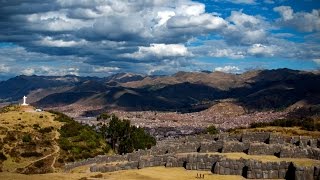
[(102, 37)]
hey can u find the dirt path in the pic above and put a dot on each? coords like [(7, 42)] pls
[(56, 150)]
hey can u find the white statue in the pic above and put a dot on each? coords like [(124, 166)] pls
[(24, 101)]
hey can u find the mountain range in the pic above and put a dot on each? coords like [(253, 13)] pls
[(184, 91)]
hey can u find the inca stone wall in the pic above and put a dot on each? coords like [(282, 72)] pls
[(202, 153)]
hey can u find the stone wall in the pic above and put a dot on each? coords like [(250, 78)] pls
[(218, 164), (193, 152)]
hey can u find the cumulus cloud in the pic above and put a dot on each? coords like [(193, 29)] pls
[(302, 21), (51, 71), (160, 51), (228, 69), (317, 61), (230, 53), (48, 41), (262, 50), (103, 36), (28, 71), (245, 29), (4, 68), (105, 69)]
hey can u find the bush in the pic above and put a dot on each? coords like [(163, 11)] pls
[(212, 130), (46, 130), (31, 154), (2, 157), (79, 141), (39, 164), (103, 116), (36, 126), (26, 138), (306, 124)]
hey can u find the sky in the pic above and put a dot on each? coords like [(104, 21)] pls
[(103, 37)]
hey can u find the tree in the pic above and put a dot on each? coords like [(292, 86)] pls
[(125, 138)]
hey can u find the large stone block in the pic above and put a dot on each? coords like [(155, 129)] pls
[(255, 137), (234, 146)]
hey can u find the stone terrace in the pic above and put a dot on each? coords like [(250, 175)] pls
[(261, 156)]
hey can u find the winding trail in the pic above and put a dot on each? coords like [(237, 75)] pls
[(56, 150)]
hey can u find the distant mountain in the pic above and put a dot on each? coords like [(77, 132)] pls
[(124, 77), (183, 91), (15, 88)]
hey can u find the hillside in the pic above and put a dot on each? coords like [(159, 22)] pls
[(41, 142), (28, 140)]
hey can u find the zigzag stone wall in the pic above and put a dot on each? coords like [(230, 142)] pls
[(195, 153)]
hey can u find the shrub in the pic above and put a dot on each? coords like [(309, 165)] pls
[(31, 154), (39, 164), (79, 141), (36, 126), (306, 124), (26, 138), (46, 129), (103, 116), (212, 130), (2, 157)]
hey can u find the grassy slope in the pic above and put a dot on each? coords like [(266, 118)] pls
[(15, 126), (286, 131), (264, 158)]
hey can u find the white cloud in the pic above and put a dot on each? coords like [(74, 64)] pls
[(204, 21), (28, 71), (54, 21), (160, 51), (4, 68), (233, 54), (303, 21), (261, 50), (51, 71), (245, 29), (48, 41), (228, 69), (317, 61), (105, 69), (194, 9), (285, 11), (242, 19), (164, 16)]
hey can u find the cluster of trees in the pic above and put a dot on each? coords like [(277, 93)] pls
[(79, 141), (306, 124), (125, 138)]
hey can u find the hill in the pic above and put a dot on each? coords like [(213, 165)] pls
[(41, 142), (28, 140)]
